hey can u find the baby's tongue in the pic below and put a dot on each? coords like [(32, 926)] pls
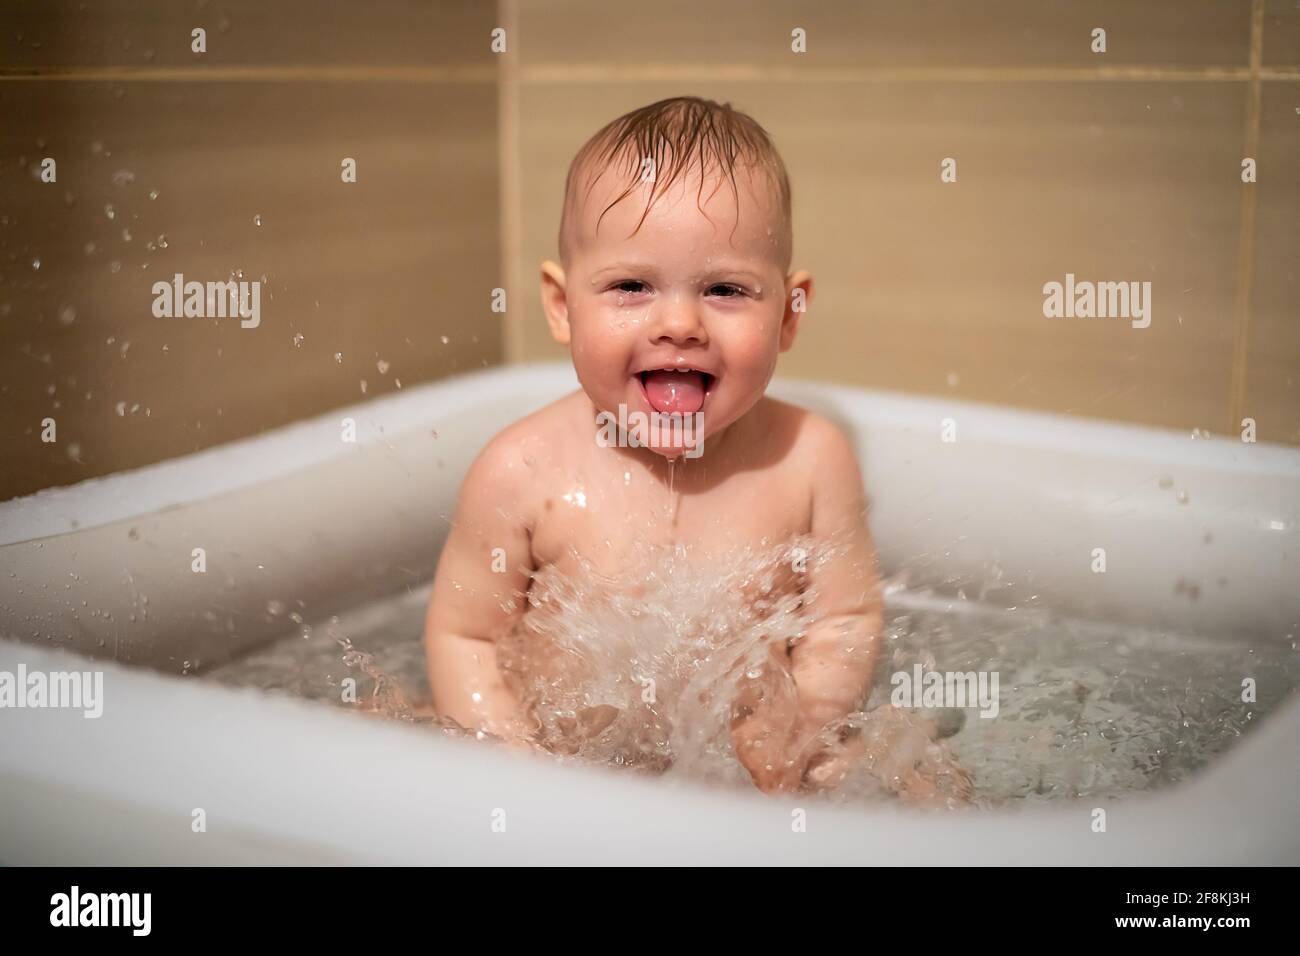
[(670, 392)]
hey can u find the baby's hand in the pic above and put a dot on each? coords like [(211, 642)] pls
[(765, 725), (761, 743), (899, 752)]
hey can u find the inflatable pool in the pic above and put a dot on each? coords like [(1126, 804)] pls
[(165, 572)]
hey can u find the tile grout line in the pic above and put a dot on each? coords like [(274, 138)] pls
[(645, 72), (1246, 235), (469, 73), (511, 175), (748, 72)]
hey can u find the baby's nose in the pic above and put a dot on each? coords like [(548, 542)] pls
[(677, 321)]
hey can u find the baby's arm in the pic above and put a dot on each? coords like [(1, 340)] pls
[(833, 663), (473, 605)]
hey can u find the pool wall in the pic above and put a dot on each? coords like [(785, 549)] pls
[(1200, 535)]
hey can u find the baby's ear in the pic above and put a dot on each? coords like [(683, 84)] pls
[(798, 296), (555, 302)]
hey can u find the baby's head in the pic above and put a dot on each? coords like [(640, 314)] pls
[(675, 246)]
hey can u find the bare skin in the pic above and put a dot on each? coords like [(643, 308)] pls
[(680, 292)]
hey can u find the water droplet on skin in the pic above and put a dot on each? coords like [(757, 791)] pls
[(1182, 497), (109, 211), (382, 366), (445, 340), (36, 263), (153, 194), (297, 340), (275, 608), (257, 220), (338, 357), (123, 177), (162, 244)]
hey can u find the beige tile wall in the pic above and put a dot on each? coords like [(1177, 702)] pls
[(376, 271), (1117, 167), (1123, 166)]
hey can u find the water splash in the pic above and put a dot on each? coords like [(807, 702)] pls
[(1088, 710)]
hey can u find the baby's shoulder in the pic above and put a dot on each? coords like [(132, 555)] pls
[(515, 457), (810, 437)]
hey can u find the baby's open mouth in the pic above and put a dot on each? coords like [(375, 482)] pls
[(680, 391)]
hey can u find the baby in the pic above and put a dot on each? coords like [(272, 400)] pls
[(675, 296)]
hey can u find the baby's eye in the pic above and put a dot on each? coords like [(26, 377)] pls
[(630, 286), (726, 290)]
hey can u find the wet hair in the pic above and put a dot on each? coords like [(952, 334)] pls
[(683, 134)]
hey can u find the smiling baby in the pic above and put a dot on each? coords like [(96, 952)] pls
[(675, 296)]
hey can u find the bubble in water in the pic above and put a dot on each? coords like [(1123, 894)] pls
[(153, 194)]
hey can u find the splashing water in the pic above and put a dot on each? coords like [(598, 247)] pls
[(647, 676), (651, 678)]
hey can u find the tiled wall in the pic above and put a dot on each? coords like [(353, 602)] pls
[(168, 161), (1117, 166), (1122, 166)]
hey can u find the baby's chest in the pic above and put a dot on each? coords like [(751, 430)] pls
[(605, 522)]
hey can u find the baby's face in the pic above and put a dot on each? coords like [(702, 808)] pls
[(682, 292)]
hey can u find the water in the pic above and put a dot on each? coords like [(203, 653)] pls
[(647, 679)]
